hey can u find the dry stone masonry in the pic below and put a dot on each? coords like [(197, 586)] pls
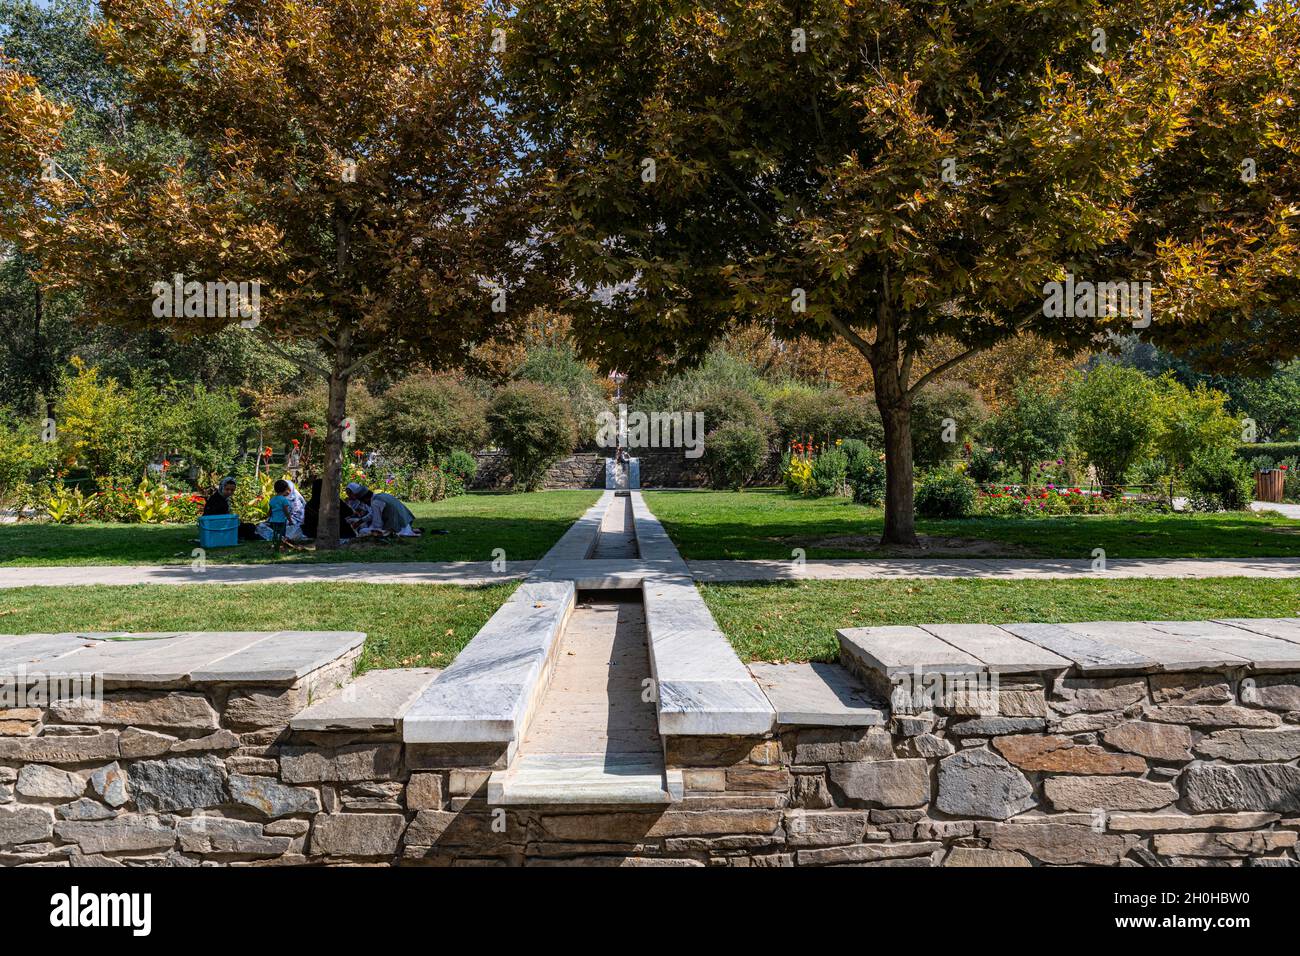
[(1098, 744)]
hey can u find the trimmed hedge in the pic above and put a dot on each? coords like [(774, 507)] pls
[(1277, 450)]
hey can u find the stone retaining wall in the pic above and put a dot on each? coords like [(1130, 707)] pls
[(1165, 769), (660, 468)]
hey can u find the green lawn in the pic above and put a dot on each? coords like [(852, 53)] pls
[(405, 625), (796, 621), (524, 525), (768, 523)]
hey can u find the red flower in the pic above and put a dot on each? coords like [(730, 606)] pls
[(295, 443), (266, 452), (166, 464)]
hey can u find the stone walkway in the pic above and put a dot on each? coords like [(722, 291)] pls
[(1287, 511), (473, 573), (1003, 568), (407, 572)]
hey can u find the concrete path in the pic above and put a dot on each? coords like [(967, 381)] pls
[(1287, 511), (1005, 568), (409, 572)]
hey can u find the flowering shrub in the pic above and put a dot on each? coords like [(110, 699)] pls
[(796, 470)]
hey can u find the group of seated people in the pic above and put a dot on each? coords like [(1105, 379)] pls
[(364, 513)]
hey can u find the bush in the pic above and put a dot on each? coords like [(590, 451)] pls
[(829, 472), (733, 455), (823, 415), (984, 467), (425, 417), (213, 427), (866, 478), (1033, 427), (943, 493), (285, 417), (532, 425), (1217, 480), (559, 367), (931, 407), (1149, 473), (22, 455), (731, 406), (461, 464), (1116, 420), (1276, 450)]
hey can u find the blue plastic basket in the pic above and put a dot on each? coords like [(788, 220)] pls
[(218, 531)]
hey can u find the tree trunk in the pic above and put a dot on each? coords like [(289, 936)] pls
[(896, 416), (327, 530)]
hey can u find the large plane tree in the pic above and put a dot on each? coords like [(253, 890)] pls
[(350, 156), (890, 172)]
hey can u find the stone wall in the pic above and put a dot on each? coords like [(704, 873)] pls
[(1170, 769), (660, 468)]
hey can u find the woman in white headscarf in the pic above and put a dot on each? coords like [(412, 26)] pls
[(296, 512)]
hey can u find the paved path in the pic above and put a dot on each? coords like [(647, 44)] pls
[(1287, 511), (1006, 568), (408, 572)]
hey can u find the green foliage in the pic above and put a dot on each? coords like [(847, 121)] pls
[(824, 415), (1116, 421), (213, 426), (945, 493), (22, 456), (931, 409), (285, 417), (462, 465), (532, 425), (1273, 402), (829, 473), (1192, 421), (734, 452), (984, 467), (558, 367), (1274, 450), (866, 477), (1219, 481), (424, 418), (1032, 427)]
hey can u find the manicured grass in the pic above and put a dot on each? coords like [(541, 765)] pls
[(523, 525), (796, 621), (405, 625), (768, 523)]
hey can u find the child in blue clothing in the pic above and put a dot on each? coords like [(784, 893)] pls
[(278, 518)]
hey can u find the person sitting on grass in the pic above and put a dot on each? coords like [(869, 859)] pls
[(278, 518), (386, 516), (218, 503)]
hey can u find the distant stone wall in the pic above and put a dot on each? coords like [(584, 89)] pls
[(660, 468), (1169, 769)]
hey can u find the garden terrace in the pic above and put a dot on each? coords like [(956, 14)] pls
[(1135, 743)]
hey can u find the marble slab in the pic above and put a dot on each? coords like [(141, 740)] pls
[(377, 700), (1000, 651), (583, 780), (577, 543), (702, 687), (818, 695), (490, 689)]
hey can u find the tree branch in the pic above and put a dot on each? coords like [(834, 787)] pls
[(857, 341), (957, 360), (301, 363)]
